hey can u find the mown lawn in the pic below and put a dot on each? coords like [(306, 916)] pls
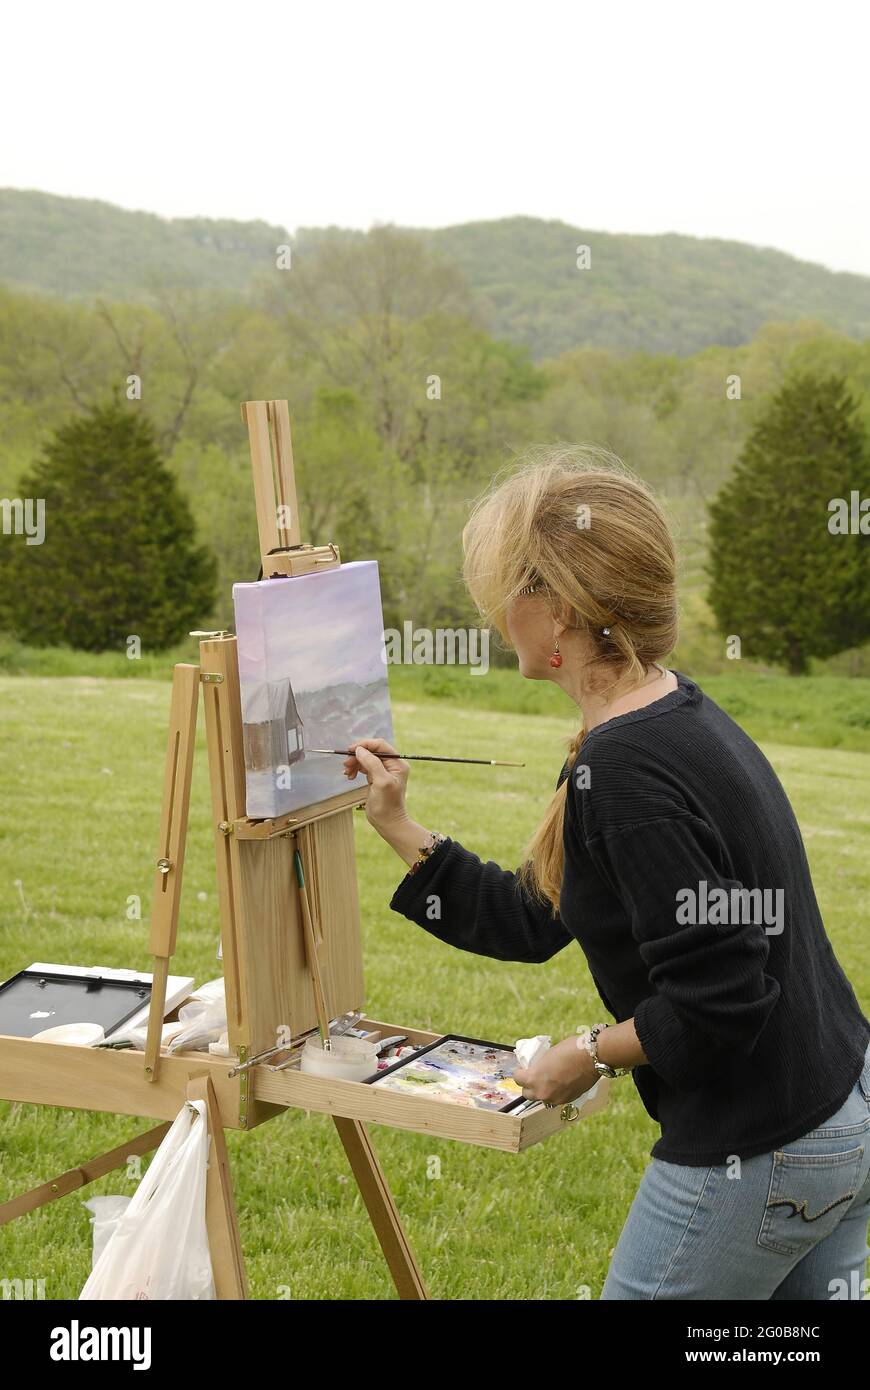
[(81, 785)]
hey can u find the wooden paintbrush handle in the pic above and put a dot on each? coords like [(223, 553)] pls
[(311, 949)]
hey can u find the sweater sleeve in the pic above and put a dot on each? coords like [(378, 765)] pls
[(711, 994), (479, 907)]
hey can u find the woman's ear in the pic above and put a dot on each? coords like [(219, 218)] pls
[(561, 620)]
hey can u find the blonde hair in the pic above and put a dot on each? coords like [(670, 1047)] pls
[(575, 521)]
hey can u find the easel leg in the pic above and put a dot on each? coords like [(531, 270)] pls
[(177, 779), (80, 1177), (224, 1242), (385, 1218)]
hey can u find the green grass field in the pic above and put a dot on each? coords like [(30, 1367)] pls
[(81, 786)]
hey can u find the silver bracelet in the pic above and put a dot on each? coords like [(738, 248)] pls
[(589, 1040), (425, 850)]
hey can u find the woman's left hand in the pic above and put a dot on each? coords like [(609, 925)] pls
[(562, 1074)]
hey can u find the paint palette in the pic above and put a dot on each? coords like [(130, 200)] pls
[(462, 1071)]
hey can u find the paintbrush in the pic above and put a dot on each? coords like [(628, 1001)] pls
[(419, 757), (313, 958)]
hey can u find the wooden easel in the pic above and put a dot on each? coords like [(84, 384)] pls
[(274, 980)]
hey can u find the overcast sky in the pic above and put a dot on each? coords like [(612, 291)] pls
[(745, 120)]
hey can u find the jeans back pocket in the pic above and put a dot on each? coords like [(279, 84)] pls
[(807, 1197)]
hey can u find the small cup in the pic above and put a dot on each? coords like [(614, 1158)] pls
[(353, 1059)]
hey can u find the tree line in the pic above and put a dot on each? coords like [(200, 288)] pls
[(403, 407)]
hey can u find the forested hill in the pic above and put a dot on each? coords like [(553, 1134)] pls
[(668, 293), (665, 293), (79, 248)]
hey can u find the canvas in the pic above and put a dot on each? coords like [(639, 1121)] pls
[(313, 675)]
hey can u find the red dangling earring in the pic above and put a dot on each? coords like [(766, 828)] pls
[(556, 658)]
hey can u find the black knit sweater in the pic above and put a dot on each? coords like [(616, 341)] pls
[(753, 1033)]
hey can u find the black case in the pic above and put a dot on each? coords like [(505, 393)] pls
[(67, 999)]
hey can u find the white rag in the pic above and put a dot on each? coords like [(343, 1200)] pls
[(528, 1050)]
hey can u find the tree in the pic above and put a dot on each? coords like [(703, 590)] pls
[(782, 578), (382, 315), (119, 557)]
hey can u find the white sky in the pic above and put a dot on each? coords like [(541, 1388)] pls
[(744, 120)]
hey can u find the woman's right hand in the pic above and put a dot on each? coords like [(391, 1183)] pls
[(387, 778)]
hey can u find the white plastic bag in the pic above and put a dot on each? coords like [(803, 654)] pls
[(199, 1019), (159, 1249), (204, 1017), (106, 1213)]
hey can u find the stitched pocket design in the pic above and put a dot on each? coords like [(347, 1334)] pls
[(807, 1197)]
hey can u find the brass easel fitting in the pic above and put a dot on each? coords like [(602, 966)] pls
[(243, 1088), (243, 1066), (164, 865)]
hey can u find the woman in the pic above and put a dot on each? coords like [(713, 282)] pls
[(670, 852)]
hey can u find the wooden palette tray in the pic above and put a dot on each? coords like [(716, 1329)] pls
[(493, 1129), (87, 1078)]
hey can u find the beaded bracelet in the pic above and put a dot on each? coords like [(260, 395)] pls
[(426, 850)]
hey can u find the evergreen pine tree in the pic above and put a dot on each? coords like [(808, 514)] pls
[(782, 579), (119, 556)]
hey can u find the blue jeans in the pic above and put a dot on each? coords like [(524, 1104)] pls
[(792, 1225)]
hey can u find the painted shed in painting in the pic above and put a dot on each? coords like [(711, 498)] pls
[(272, 726)]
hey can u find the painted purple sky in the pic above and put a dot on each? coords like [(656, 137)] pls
[(320, 629)]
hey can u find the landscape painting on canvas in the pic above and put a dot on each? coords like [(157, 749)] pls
[(313, 675)]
